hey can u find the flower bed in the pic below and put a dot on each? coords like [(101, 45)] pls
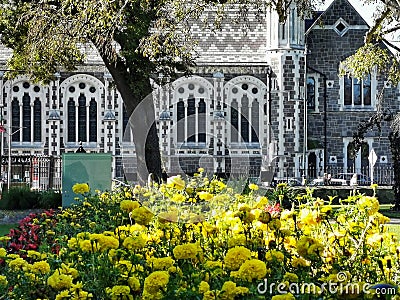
[(200, 239)]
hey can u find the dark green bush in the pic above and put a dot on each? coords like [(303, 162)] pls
[(19, 198), (50, 199)]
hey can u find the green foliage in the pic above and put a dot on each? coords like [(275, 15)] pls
[(19, 198), (50, 199)]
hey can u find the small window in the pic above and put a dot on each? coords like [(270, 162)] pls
[(289, 124), (341, 27), (310, 93)]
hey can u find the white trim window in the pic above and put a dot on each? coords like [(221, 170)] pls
[(357, 93)]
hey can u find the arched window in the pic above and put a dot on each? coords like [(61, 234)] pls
[(234, 121), (180, 114), (93, 120), (71, 120), (255, 120), (244, 120), (202, 121), (15, 120), (191, 120), (37, 121), (82, 116), (310, 93), (26, 118)]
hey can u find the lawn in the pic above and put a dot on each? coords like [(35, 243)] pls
[(5, 228)]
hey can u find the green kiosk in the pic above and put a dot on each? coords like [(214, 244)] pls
[(80, 167)]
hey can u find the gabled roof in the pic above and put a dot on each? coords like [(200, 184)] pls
[(339, 9)]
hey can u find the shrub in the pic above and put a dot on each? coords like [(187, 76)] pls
[(50, 199), (19, 198)]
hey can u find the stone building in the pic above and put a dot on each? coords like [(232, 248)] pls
[(251, 103)]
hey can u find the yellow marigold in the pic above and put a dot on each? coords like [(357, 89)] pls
[(63, 295), (274, 255), (134, 283), (235, 257), (87, 246), (3, 252), (299, 262), (59, 281), (40, 267), (308, 216), (134, 242), (176, 182), (81, 188), (252, 269), (307, 246), (128, 205), (237, 240), (142, 215), (291, 277), (370, 204), (204, 287), (206, 196), (186, 251), (118, 291), (162, 263), (228, 290), (253, 187), (212, 264), (17, 264), (3, 280), (210, 295), (156, 281), (178, 198), (287, 296)]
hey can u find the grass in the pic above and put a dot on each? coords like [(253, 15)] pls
[(5, 228)]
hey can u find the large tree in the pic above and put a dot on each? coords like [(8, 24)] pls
[(381, 54), (137, 39)]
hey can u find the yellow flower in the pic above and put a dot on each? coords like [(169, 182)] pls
[(253, 187), (235, 257), (156, 281), (3, 280), (162, 263), (17, 264), (206, 196), (300, 262), (134, 242), (176, 182), (3, 252), (81, 188), (287, 296), (63, 295), (274, 255), (40, 267), (291, 277), (134, 283), (370, 204), (178, 198), (252, 269), (59, 281), (186, 251), (142, 215), (204, 287), (128, 205), (119, 291), (168, 216)]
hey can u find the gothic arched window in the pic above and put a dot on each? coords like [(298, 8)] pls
[(93, 120), (15, 119), (202, 126), (310, 93), (234, 121), (26, 118), (82, 116), (71, 120), (37, 121)]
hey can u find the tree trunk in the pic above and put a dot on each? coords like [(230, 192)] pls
[(136, 92)]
